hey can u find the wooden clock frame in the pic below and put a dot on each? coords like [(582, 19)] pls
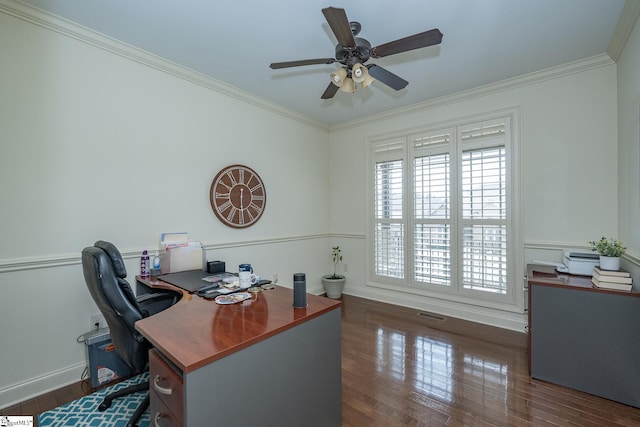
[(238, 196)]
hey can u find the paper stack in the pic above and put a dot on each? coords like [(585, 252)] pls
[(612, 279)]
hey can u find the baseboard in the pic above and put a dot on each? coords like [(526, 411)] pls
[(34, 387), (501, 319)]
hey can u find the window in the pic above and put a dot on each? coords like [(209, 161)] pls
[(389, 234), (441, 209), (432, 207)]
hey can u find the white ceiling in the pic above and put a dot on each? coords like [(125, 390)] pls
[(484, 41)]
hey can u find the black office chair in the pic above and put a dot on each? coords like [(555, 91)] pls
[(105, 273)]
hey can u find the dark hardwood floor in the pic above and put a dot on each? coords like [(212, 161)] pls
[(403, 369)]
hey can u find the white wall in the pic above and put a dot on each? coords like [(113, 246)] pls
[(629, 149), (568, 175), (98, 143)]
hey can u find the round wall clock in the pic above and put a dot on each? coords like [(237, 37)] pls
[(238, 196)]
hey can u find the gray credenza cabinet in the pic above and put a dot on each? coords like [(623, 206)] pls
[(583, 337)]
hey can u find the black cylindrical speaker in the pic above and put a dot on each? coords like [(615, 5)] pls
[(299, 290)]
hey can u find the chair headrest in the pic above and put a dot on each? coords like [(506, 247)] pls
[(116, 258)]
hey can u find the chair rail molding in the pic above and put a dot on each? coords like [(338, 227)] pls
[(60, 260)]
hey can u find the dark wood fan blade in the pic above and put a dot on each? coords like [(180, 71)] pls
[(416, 41), (337, 19), (330, 91), (387, 77), (276, 65)]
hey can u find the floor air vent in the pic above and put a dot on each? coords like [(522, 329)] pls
[(431, 316)]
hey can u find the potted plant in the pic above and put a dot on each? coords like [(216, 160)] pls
[(334, 283), (610, 251)]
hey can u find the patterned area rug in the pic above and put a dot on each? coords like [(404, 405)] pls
[(84, 412)]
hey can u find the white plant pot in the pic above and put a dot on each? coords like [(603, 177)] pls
[(333, 287), (609, 262)]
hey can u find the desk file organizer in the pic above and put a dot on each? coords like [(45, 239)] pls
[(178, 253)]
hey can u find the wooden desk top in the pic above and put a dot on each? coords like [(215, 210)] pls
[(195, 332), (547, 275)]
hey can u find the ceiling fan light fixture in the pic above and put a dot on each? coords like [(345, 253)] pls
[(339, 76), (367, 81), (348, 85), (359, 73)]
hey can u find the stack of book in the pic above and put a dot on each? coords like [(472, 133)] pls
[(612, 279)]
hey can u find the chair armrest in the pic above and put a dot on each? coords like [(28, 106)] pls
[(154, 297), (155, 302)]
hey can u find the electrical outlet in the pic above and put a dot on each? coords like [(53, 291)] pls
[(97, 319), (346, 267)]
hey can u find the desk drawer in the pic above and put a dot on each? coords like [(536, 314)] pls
[(166, 385), (160, 415)]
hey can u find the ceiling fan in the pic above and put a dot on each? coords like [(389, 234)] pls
[(352, 52)]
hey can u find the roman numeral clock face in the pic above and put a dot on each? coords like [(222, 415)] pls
[(238, 196)]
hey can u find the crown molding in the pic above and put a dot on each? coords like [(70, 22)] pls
[(43, 19), (590, 63), (626, 23), (75, 31)]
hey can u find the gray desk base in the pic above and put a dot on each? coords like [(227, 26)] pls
[(588, 341), (290, 379)]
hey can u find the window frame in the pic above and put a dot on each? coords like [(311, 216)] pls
[(457, 290)]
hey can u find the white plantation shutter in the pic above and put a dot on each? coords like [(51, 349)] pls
[(389, 239), (432, 207), (441, 208), (484, 207)]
